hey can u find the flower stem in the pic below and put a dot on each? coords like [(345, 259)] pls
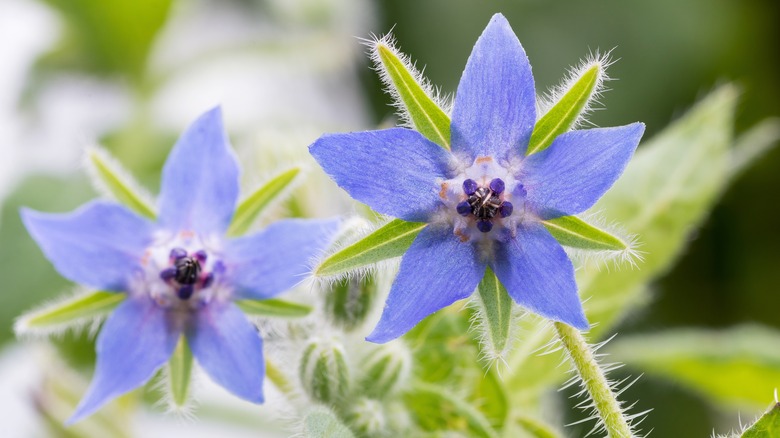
[(594, 380)]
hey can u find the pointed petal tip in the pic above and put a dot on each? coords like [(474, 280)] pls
[(378, 338)]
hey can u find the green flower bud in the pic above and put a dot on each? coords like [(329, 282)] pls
[(324, 372), (367, 418), (349, 301), (385, 370)]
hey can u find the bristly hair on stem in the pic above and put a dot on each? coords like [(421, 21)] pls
[(602, 402)]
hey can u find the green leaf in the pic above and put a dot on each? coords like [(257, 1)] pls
[(180, 373), (321, 422), (250, 208), (768, 426), (71, 311), (576, 233), (754, 143), (116, 181), (401, 78), (389, 241), (733, 367), (490, 397), (562, 117), (495, 316), (273, 307), (537, 428), (436, 408)]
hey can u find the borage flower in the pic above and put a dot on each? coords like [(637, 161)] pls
[(181, 273), (485, 201)]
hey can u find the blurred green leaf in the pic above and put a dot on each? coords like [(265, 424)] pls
[(250, 208), (437, 408), (564, 114), (273, 307), (389, 241), (321, 422), (108, 36), (180, 373), (495, 316), (72, 311), (576, 233), (768, 426), (736, 366), (410, 96), (667, 190), (110, 177), (491, 399), (754, 143)]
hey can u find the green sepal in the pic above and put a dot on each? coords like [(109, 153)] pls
[(576, 233), (273, 307), (251, 207), (564, 114), (495, 316), (768, 426), (321, 422), (323, 371), (424, 113), (349, 301), (72, 311), (389, 241), (180, 373), (118, 182), (385, 370)]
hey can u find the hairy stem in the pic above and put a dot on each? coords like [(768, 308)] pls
[(594, 380)]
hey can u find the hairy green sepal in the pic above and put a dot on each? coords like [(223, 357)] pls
[(180, 373), (768, 426), (576, 233), (250, 208), (426, 116), (273, 307), (321, 422), (118, 182), (495, 310), (389, 241), (564, 114), (70, 312)]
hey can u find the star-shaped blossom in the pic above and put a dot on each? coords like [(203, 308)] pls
[(180, 273), (485, 200)]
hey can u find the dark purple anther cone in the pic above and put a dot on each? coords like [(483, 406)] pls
[(168, 273), (185, 292), (201, 256), (506, 209), (177, 253), (464, 208), (497, 186), (484, 226), (470, 186)]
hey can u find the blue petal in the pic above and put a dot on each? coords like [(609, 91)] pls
[(99, 245), (394, 171), (437, 270), (538, 275), (579, 166), (136, 340), (495, 105), (200, 179), (229, 349), (277, 258)]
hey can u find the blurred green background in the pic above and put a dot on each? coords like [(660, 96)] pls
[(668, 54)]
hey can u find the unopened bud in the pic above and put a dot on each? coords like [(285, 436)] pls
[(366, 417), (349, 301), (385, 369), (324, 372)]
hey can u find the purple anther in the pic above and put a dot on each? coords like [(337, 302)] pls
[(168, 273), (470, 186), (201, 256), (464, 208), (178, 253), (497, 186), (208, 280), (484, 226), (506, 209), (185, 292)]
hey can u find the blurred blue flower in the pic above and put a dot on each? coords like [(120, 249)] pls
[(180, 274), (485, 200)]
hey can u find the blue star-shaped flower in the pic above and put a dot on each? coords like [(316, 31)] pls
[(180, 274), (485, 200)]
